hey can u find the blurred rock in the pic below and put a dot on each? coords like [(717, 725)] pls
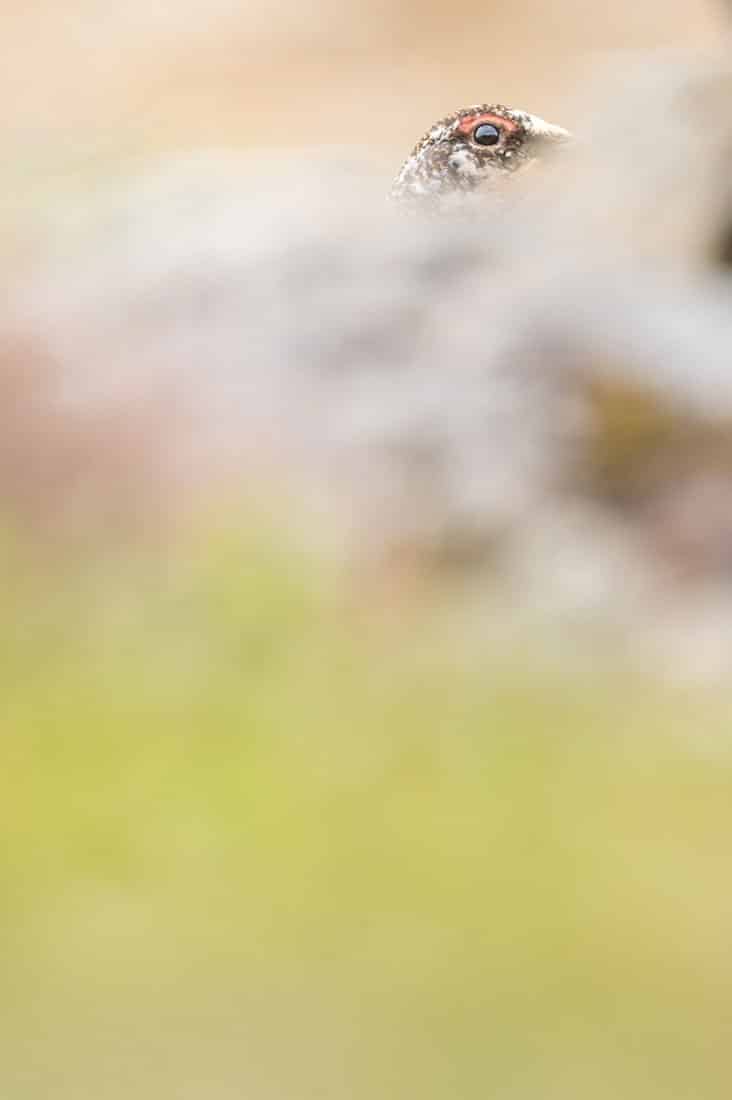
[(538, 392)]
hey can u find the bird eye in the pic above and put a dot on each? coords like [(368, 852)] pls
[(485, 134)]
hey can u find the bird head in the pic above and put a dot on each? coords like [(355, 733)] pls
[(472, 149)]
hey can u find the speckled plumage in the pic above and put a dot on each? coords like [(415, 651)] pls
[(447, 163)]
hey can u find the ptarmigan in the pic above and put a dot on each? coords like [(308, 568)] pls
[(473, 149)]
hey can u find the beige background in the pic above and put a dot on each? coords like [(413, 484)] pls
[(152, 74)]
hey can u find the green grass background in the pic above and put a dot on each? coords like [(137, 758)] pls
[(260, 843)]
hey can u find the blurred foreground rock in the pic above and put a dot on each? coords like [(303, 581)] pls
[(541, 394)]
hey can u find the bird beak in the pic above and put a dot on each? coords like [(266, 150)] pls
[(542, 131)]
